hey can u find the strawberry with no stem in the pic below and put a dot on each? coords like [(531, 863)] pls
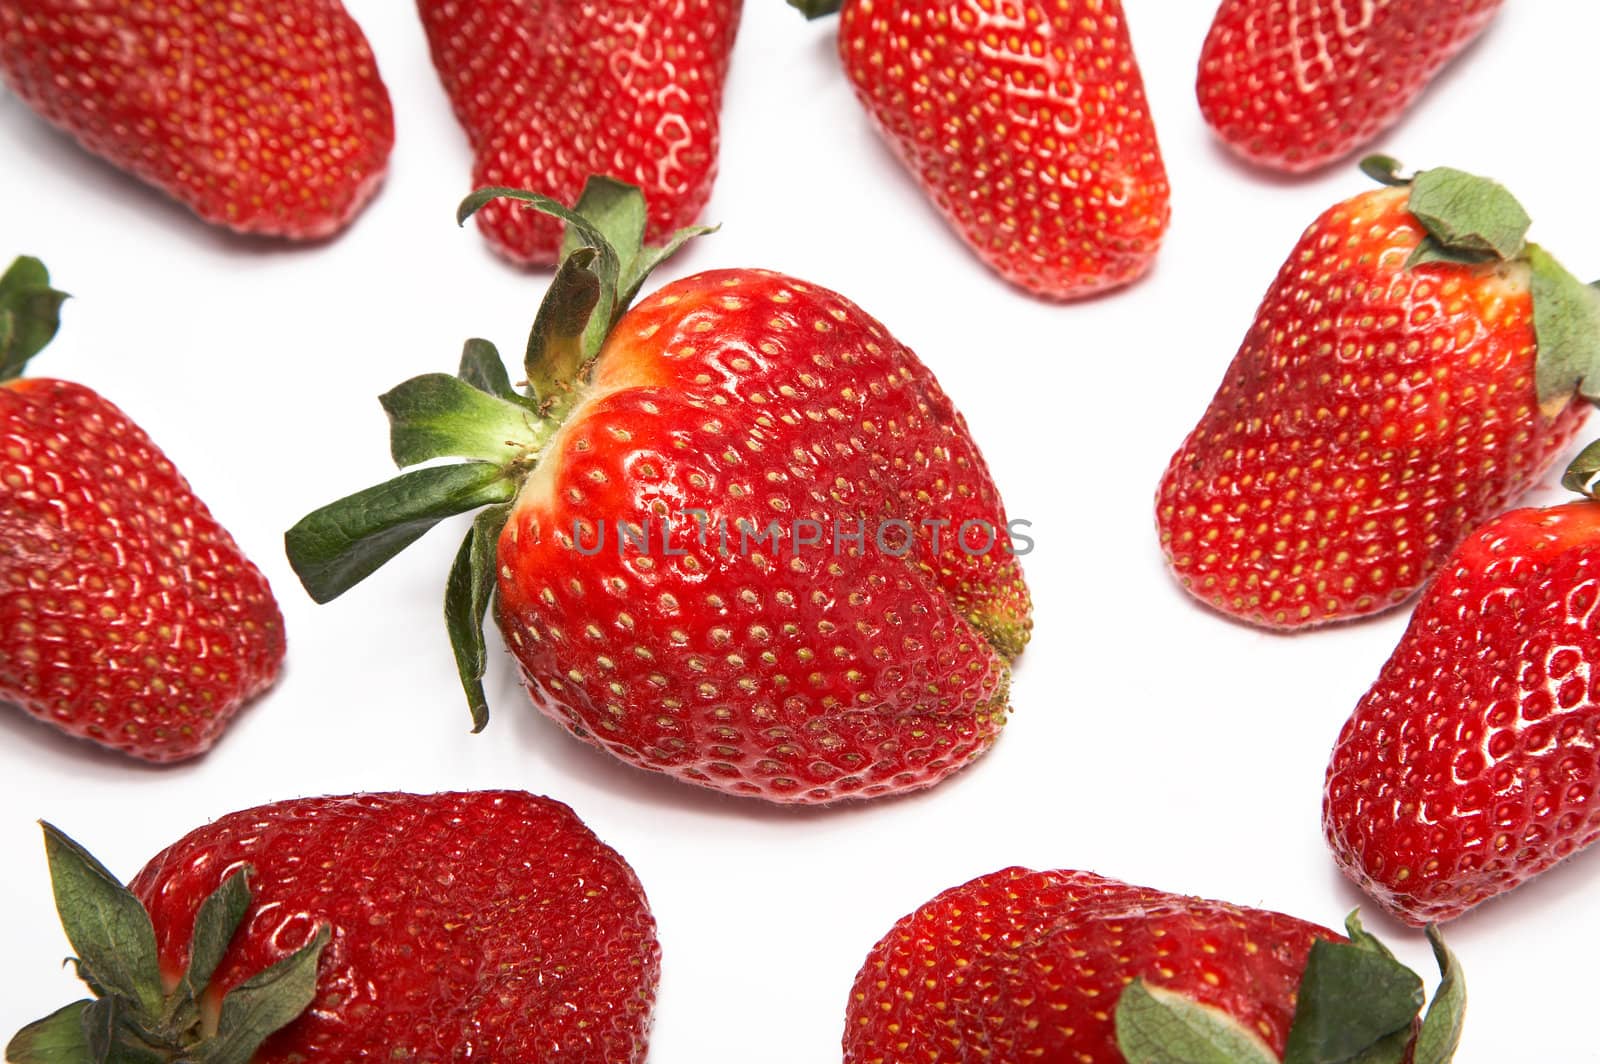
[(737, 534), (128, 616), (551, 93), (1025, 122), (1470, 766), (1413, 368), (1294, 86), (1056, 966), (264, 116), (492, 926)]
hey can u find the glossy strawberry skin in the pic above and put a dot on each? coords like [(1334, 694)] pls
[(1296, 84), (263, 117), (1470, 766), (1371, 418), (488, 926), (128, 616), (803, 673), (551, 93), (1026, 124), (1024, 965)]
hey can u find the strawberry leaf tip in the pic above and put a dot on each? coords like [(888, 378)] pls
[(1566, 321), (130, 1020), (479, 416), (1356, 1005), (1583, 474), (30, 314), (1469, 214), (815, 9)]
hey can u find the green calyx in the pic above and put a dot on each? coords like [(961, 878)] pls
[(131, 1019), (30, 314), (1472, 221), (478, 416), (815, 9), (1356, 1005)]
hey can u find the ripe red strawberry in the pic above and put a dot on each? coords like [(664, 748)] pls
[(1469, 767), (1025, 122), (1056, 966), (127, 614), (486, 926), (551, 93), (1409, 373), (713, 533), (265, 116), (1295, 86)]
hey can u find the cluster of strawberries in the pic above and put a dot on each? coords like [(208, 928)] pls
[(1415, 365)]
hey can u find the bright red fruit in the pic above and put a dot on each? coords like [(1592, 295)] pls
[(265, 116), (486, 926), (1470, 765), (128, 615), (1410, 372), (551, 93), (747, 541), (1297, 85), (1025, 122), (1057, 966)]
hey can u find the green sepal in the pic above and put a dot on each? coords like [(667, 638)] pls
[(482, 367), (1441, 1027), (1384, 169), (472, 583), (1583, 473), (440, 416), (558, 356), (59, 1038), (1566, 324), (30, 314), (215, 923), (109, 929), (1353, 1001), (122, 1028), (1430, 250), (263, 1004), (1158, 1026), (617, 211), (335, 548), (1467, 213)]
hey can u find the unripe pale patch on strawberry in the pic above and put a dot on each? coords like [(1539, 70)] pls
[(1413, 368), (739, 535)]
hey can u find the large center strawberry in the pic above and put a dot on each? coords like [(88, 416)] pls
[(757, 548)]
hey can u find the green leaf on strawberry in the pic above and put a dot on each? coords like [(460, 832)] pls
[(1356, 1004), (479, 416), (1566, 318), (30, 314), (130, 1020)]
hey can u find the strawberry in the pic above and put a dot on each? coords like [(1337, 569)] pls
[(550, 93), (1411, 371), (736, 534), (128, 616), (1025, 122), (1296, 86), (1469, 767), (1056, 966), (486, 926), (264, 116)]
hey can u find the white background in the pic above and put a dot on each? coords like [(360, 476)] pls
[(1151, 740)]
